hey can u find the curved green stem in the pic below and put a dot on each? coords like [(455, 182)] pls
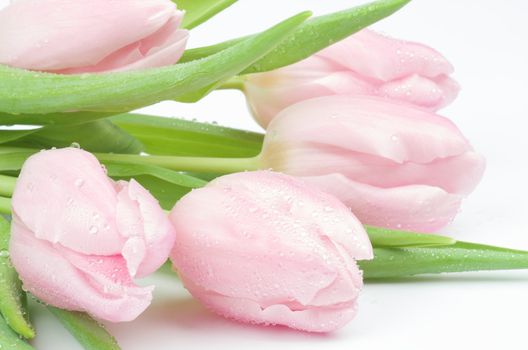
[(5, 205), (7, 185), (12, 297), (386, 238), (193, 164), (458, 257), (235, 83)]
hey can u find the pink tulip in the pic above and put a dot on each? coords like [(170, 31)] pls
[(266, 248), (366, 63), (394, 165), (65, 36), (78, 238)]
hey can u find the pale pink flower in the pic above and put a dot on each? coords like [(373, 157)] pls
[(266, 248), (78, 238), (366, 63), (65, 36), (393, 164)]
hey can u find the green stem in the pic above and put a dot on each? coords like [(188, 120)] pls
[(12, 297), (5, 205), (458, 257), (7, 185), (89, 333), (193, 164), (9, 340), (385, 238), (235, 83)]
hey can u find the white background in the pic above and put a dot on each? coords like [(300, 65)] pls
[(486, 41)]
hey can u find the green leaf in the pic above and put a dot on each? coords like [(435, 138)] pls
[(24, 92), (166, 185), (9, 340), (385, 238), (12, 135), (96, 136), (311, 37), (88, 332), (170, 136), (199, 11), (5, 205), (12, 297), (12, 159), (7, 184), (52, 118), (459, 257)]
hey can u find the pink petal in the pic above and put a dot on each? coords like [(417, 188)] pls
[(71, 281), (458, 174), (64, 196), (383, 58), (419, 208), (150, 235), (363, 124), (432, 93), (58, 34), (165, 47), (313, 319)]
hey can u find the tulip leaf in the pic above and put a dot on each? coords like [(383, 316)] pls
[(12, 158), (385, 238), (166, 185), (97, 136), (459, 257), (51, 118), (12, 297), (312, 36), (88, 332), (5, 205), (12, 135), (199, 11), (171, 136), (24, 92), (9, 340)]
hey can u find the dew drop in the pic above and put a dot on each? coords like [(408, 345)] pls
[(75, 145), (4, 254), (93, 230), (79, 183)]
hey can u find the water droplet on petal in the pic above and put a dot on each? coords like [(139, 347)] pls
[(79, 183), (93, 230)]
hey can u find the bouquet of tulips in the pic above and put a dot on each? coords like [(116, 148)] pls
[(352, 177)]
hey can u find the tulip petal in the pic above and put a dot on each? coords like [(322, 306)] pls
[(53, 35), (458, 174), (314, 319), (71, 282), (75, 198), (419, 208), (162, 48), (149, 233), (383, 58), (363, 124), (431, 93)]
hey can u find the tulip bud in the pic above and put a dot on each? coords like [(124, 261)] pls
[(366, 63), (394, 165), (78, 238), (64, 36), (266, 248)]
